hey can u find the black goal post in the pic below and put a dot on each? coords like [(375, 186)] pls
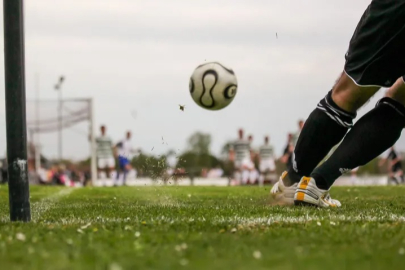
[(16, 129)]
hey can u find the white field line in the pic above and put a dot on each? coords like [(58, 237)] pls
[(376, 180), (47, 203), (236, 220)]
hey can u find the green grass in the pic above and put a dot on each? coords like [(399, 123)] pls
[(203, 228)]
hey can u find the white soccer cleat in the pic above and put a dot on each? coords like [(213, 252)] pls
[(309, 194), (282, 194)]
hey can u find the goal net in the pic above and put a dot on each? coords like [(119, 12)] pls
[(60, 130), (47, 116)]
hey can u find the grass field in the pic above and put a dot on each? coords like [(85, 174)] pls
[(203, 228)]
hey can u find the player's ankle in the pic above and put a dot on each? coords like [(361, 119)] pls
[(292, 177), (320, 181)]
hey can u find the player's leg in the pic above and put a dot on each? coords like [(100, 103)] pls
[(261, 179), (253, 176), (375, 58), (391, 178), (272, 170), (117, 176), (101, 164), (110, 167), (327, 125), (107, 172), (99, 168), (267, 169), (235, 174), (245, 171), (397, 173), (238, 177), (120, 169), (401, 176), (127, 168), (101, 172), (398, 178), (245, 176), (262, 170), (374, 133)]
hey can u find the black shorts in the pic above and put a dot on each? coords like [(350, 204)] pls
[(376, 55)]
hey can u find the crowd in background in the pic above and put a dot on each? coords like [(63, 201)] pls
[(249, 165), (246, 162), (258, 165)]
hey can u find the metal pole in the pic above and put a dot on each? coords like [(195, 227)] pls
[(58, 87), (93, 163), (15, 110), (60, 123), (37, 141)]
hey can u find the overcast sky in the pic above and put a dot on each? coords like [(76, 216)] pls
[(135, 59)]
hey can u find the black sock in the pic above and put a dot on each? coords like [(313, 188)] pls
[(324, 128), (374, 133)]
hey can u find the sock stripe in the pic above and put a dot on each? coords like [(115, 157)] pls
[(336, 110), (334, 118), (342, 118)]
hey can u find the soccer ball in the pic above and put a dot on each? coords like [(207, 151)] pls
[(213, 86)]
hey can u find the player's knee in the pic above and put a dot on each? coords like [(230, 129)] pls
[(394, 104), (397, 91), (349, 96), (328, 108)]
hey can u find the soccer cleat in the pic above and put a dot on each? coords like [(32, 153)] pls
[(282, 194), (309, 194)]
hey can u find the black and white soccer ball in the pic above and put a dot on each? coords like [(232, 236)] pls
[(213, 86)]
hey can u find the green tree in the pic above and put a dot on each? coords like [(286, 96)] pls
[(199, 143), (197, 157)]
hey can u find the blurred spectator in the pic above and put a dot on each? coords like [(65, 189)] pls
[(296, 135), (267, 160), (124, 151), (288, 151), (215, 173), (204, 172), (239, 153), (43, 176), (105, 155)]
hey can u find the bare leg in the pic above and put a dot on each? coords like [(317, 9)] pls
[(397, 91)]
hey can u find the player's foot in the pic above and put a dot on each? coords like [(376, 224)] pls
[(309, 194), (282, 194)]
